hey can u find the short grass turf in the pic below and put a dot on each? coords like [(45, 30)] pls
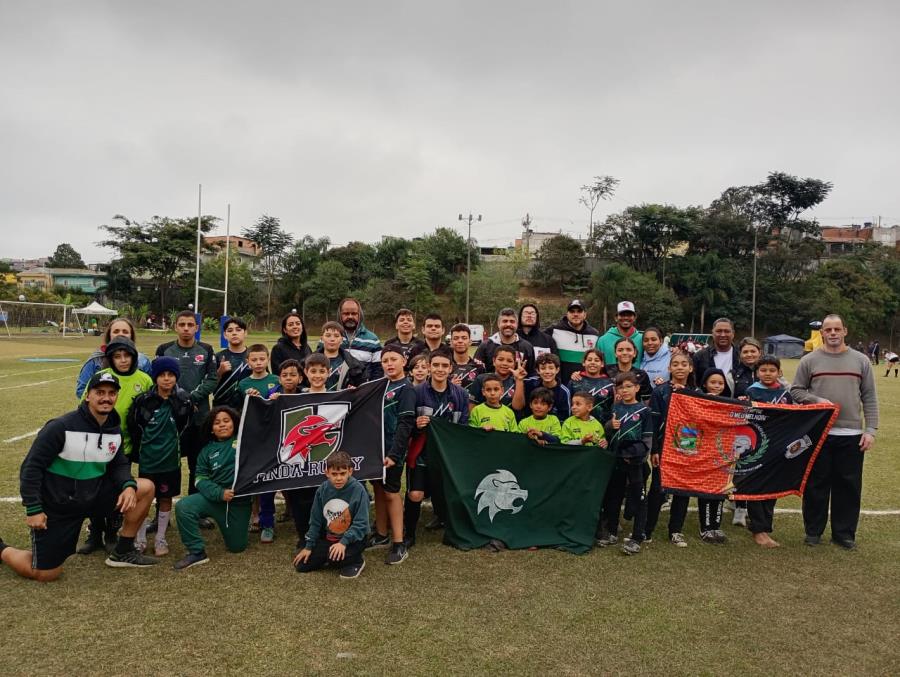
[(701, 610)]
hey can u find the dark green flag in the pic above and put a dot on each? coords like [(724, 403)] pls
[(496, 485)]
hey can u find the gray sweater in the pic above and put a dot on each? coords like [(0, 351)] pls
[(843, 378)]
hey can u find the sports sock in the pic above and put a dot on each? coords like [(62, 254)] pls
[(124, 545), (142, 533), (411, 512), (163, 525)]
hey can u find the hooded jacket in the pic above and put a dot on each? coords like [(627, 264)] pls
[(350, 373), (524, 352), (94, 363), (284, 349), (608, 341), (572, 344), (146, 405), (364, 345), (69, 460), (657, 365), (540, 341)]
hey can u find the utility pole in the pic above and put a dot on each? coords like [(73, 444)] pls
[(526, 225), (468, 219), (753, 301)]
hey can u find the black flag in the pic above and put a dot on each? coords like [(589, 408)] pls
[(283, 443)]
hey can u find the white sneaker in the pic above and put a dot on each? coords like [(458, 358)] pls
[(678, 540), (740, 517)]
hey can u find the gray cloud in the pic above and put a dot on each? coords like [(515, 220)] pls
[(362, 119)]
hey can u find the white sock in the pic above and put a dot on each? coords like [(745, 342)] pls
[(163, 525), (141, 534)]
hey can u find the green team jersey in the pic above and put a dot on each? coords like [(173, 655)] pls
[(548, 424), (573, 429), (130, 386), (266, 385), (215, 469), (160, 448), (604, 391), (399, 400), (499, 418)]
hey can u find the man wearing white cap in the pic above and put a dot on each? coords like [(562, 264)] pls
[(623, 328)]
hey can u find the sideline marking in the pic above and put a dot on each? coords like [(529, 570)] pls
[(38, 371), (36, 383), (22, 437)]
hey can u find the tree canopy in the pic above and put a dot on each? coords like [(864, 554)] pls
[(65, 256)]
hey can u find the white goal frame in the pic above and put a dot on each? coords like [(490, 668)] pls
[(67, 311)]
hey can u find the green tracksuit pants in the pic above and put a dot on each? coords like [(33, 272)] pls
[(235, 532)]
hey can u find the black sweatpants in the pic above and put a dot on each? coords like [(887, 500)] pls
[(612, 499), (301, 502), (656, 497), (353, 556), (710, 514), (761, 514), (636, 471), (836, 475)]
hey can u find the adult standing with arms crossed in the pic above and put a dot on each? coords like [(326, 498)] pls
[(834, 373)]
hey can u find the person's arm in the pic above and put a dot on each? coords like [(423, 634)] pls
[(657, 420), (647, 429), (118, 470), (518, 398), (45, 448), (554, 430), (406, 424), (481, 355), (359, 508), (800, 388), (207, 385), (474, 419), (375, 371), (276, 358), (87, 370), (315, 521), (210, 490), (869, 400), (135, 431)]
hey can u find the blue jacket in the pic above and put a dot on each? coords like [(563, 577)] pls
[(657, 366)]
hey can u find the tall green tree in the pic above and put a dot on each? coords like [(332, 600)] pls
[(559, 261), (493, 286), (330, 283), (358, 258), (298, 268), (65, 256), (602, 188), (243, 291), (446, 252), (416, 279), (273, 242), (162, 248), (656, 304), (390, 255)]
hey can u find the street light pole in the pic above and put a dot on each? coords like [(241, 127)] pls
[(753, 300), (469, 219)]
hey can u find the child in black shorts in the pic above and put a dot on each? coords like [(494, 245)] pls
[(155, 422)]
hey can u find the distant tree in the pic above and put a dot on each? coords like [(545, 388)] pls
[(607, 284), (65, 256), (359, 259), (707, 282), (492, 287), (298, 267), (329, 285), (446, 250), (163, 248), (381, 297), (559, 260), (416, 278), (390, 255), (243, 292), (603, 188), (273, 242)]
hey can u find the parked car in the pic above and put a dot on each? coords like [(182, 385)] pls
[(477, 331)]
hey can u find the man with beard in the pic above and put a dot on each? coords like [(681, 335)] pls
[(530, 330), (573, 336), (405, 340), (722, 354), (623, 328), (363, 344), (507, 324)]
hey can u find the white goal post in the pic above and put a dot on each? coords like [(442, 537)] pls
[(22, 319)]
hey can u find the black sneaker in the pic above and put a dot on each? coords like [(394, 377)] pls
[(435, 524), (631, 547), (376, 540), (396, 554), (812, 539), (353, 570), (845, 543), (93, 543), (192, 559), (207, 523), (130, 559)]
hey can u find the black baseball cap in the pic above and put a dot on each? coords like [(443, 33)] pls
[(575, 303), (103, 378)]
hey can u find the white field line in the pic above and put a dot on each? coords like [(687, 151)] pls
[(36, 383), (38, 371), (22, 437)]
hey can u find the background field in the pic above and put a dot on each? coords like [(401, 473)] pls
[(704, 609)]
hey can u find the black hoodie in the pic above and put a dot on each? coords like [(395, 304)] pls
[(284, 349), (541, 342)]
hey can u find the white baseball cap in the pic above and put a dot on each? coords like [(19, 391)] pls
[(625, 307)]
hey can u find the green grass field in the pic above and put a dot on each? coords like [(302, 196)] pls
[(705, 609)]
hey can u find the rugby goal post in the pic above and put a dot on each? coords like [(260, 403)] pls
[(39, 320)]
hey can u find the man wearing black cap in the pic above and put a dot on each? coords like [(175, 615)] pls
[(573, 337), (77, 468)]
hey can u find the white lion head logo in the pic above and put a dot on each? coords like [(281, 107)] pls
[(499, 491)]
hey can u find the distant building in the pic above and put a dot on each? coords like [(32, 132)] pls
[(78, 279), (844, 239), (532, 240), (27, 264), (246, 250)]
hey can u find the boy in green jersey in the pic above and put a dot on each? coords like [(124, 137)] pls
[(260, 383), (581, 427), (541, 426), (491, 414)]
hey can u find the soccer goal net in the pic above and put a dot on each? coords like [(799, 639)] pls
[(50, 320)]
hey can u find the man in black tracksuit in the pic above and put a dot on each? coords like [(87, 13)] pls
[(530, 330)]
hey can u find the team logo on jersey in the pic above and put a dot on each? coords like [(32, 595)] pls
[(112, 448), (500, 491), (311, 432), (199, 359)]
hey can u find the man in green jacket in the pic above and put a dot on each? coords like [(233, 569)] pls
[(623, 328)]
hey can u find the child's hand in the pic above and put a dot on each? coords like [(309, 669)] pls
[(389, 462), (603, 443), (457, 380), (488, 427), (577, 376), (744, 398), (615, 423), (654, 460), (658, 381), (588, 439), (253, 392), (534, 434), (541, 441), (227, 495), (302, 556), (336, 552), (274, 396), (422, 421), (519, 372), (224, 368), (677, 386)]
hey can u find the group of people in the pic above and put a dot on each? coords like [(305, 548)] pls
[(565, 383)]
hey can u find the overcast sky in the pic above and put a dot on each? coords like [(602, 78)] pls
[(362, 119)]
